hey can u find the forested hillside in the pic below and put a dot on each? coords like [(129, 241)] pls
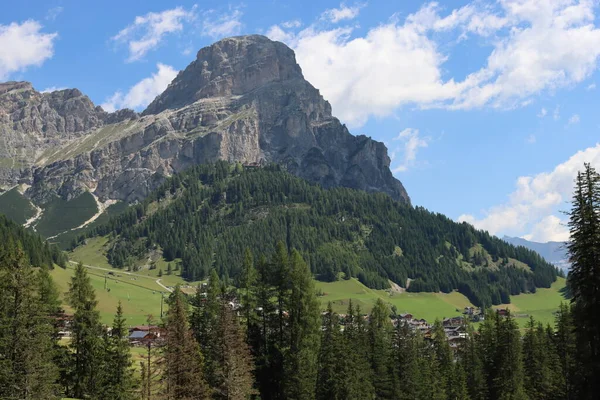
[(39, 252), (208, 215)]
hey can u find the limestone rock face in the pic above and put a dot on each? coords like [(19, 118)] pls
[(243, 99)]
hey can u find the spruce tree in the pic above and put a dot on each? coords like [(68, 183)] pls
[(379, 331), (86, 334), (305, 327), (508, 379), (584, 276), (444, 358), (331, 376), (565, 343), (26, 331), (118, 380), (234, 374), (471, 357), (358, 383), (183, 374), (205, 319)]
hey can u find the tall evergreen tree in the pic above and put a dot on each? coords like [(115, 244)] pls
[(565, 343), (380, 330), (86, 334), (182, 365), (331, 376), (26, 331), (584, 276), (304, 326), (358, 383), (235, 380), (508, 380), (205, 319), (118, 380)]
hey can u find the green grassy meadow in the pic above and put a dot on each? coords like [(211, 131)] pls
[(541, 305), (430, 306), (138, 301)]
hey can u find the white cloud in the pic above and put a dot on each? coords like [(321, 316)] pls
[(219, 26), (542, 113), (53, 13), (411, 143), (591, 86), (532, 207), (143, 92), (344, 12), (53, 89), (24, 45), (367, 76), (574, 119), (556, 113), (292, 24), (537, 46), (531, 139), (148, 31)]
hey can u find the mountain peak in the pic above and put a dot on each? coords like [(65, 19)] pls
[(229, 67)]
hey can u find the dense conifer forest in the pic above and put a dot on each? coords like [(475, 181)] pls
[(266, 338), (38, 251), (208, 215)]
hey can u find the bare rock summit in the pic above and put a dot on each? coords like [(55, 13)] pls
[(244, 99)]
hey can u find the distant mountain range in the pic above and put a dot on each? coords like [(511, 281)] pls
[(554, 252)]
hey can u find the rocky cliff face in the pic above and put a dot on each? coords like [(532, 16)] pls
[(242, 99)]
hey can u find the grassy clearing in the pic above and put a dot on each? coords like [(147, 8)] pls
[(542, 305), (60, 215), (430, 306), (138, 301), (16, 206), (422, 305)]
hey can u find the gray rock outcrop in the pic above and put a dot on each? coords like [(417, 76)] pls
[(243, 99)]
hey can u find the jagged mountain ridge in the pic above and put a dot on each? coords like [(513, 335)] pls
[(243, 99)]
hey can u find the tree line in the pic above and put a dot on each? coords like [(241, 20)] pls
[(209, 214), (278, 345), (268, 339)]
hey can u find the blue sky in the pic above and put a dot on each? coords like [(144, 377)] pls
[(488, 108)]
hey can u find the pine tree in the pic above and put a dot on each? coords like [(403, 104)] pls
[(234, 364), (248, 279), (584, 276), (472, 359), (379, 330), (538, 362), (86, 334), (358, 384), (305, 327), (507, 382), (118, 381), (444, 358), (331, 376), (183, 370), (26, 331), (205, 319), (407, 366), (565, 343)]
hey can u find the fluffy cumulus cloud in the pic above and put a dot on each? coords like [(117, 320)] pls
[(536, 203), (24, 45), (143, 92), (148, 31), (536, 46), (411, 141), (218, 26), (344, 12)]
